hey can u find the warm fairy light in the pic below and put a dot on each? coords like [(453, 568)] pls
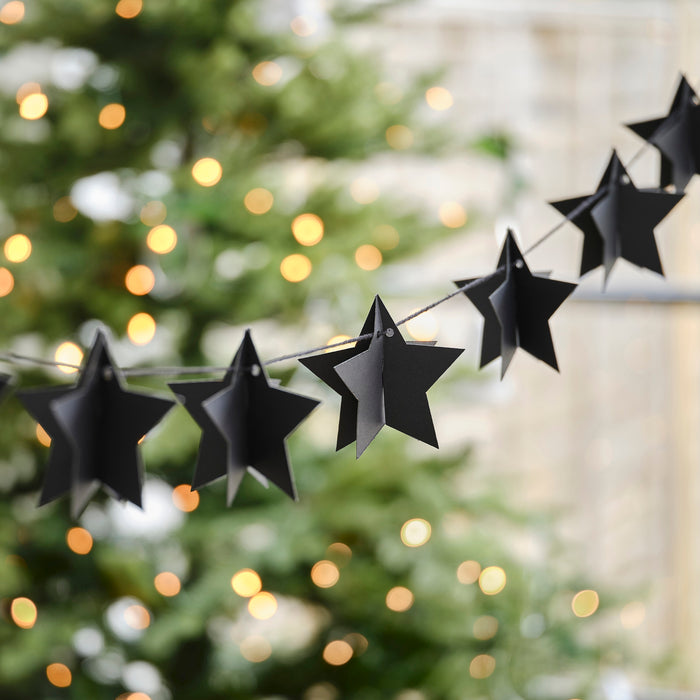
[(207, 172), (12, 12), (468, 571), (485, 627), (258, 201), (185, 498), (161, 239), (17, 248), (64, 211), (325, 574), (388, 93), (26, 89), (34, 106), (399, 599), (262, 606), (307, 229), (339, 553), (267, 73), (141, 328), (128, 9), (337, 339), (358, 642), (386, 236), (246, 583), (59, 675), (255, 648), (140, 280), (363, 190), (135, 696), (7, 282), (167, 584), (137, 617), (632, 615), (295, 267), (337, 653), (368, 257), (303, 26), (69, 353), (439, 98), (79, 540), (399, 137), (415, 532), (482, 666), (492, 580), (452, 215), (112, 116), (23, 612), (424, 327), (42, 436), (153, 213), (585, 603)]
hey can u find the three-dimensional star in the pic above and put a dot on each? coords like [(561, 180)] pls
[(245, 422), (389, 380), (676, 136), (618, 221), (516, 306), (95, 427)]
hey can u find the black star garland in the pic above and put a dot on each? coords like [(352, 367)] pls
[(676, 136), (244, 422), (94, 428), (618, 221), (516, 306), (388, 379)]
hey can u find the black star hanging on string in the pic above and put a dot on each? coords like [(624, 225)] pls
[(618, 221), (516, 306), (95, 427), (245, 422), (677, 137), (388, 379)]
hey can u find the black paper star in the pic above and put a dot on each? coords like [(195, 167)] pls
[(389, 379), (516, 306), (244, 422), (618, 221), (94, 428), (677, 137)]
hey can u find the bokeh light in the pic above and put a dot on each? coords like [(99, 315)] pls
[(399, 599), (128, 9), (337, 339), (79, 540), (633, 615), (112, 116), (262, 606), (255, 648), (161, 239), (295, 267), (140, 280), (363, 190), (17, 248), (452, 214), (468, 571), (399, 137), (34, 106), (7, 282), (339, 553), (337, 653), (42, 436), (153, 213), (386, 236), (23, 613), (303, 26), (492, 580), (137, 617), (358, 642), (585, 603), (141, 328), (64, 211), (26, 89), (485, 627), (307, 229), (12, 12), (325, 574), (207, 172), (167, 584), (69, 353), (482, 666), (258, 201), (415, 532), (59, 675), (246, 583), (185, 498), (424, 327), (368, 257), (439, 98), (267, 73)]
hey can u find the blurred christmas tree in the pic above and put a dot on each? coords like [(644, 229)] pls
[(152, 162)]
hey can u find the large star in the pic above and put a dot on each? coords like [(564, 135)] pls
[(245, 422), (516, 306), (95, 427), (676, 136), (618, 221), (389, 380)]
